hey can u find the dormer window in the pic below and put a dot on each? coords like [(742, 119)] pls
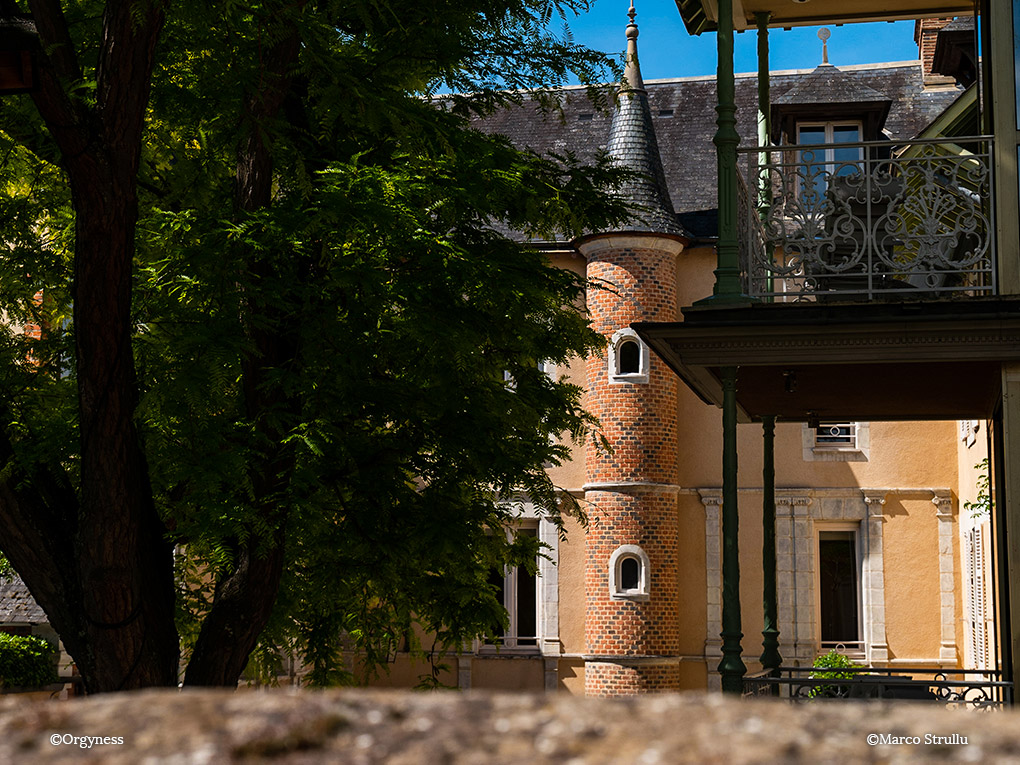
[(628, 358)]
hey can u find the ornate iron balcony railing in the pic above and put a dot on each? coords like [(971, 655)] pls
[(868, 221), (958, 688)]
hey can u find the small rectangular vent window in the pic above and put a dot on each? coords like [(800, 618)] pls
[(588, 117), (665, 112), (836, 434)]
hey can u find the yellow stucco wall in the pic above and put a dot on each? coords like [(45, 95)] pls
[(508, 674), (911, 579), (572, 597)]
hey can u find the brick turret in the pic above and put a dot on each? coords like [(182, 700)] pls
[(631, 581)]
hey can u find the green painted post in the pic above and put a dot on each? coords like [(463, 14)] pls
[(732, 666), (764, 131), (727, 273), (764, 109), (770, 658)]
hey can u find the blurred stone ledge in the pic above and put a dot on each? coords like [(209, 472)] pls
[(477, 728)]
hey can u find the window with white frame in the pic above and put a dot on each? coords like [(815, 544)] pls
[(518, 590), (629, 358), (629, 573), (837, 442), (838, 589), (822, 157)]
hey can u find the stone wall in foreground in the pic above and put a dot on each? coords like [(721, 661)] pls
[(401, 728)]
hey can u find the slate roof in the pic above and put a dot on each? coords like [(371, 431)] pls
[(683, 114), (961, 24), (17, 606), (827, 84)]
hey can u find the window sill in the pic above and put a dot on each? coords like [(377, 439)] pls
[(629, 379), (837, 454), (521, 651), (639, 597)]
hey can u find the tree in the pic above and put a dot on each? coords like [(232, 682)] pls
[(279, 324)]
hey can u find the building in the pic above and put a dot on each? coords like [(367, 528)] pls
[(865, 481), (877, 285), (857, 387)]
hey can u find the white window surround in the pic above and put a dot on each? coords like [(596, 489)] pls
[(615, 376), (548, 368), (548, 642), (616, 560), (796, 513), (858, 452)]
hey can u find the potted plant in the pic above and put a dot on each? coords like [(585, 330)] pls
[(832, 661)]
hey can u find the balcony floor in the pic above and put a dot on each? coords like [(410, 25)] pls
[(847, 361)]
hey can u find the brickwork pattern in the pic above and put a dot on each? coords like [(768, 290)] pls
[(639, 421), (606, 679), (926, 34), (617, 626)]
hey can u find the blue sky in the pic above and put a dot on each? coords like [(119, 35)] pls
[(666, 50)]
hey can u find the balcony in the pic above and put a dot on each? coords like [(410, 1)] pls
[(868, 221), (955, 688)]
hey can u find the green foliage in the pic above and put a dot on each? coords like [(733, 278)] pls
[(981, 507), (26, 661), (395, 444), (836, 661)]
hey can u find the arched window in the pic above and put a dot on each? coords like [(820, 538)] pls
[(628, 358), (629, 355), (629, 573)]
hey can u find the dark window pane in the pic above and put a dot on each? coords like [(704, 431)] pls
[(497, 580), (845, 134), (837, 581), (630, 571), (630, 357), (527, 607), (812, 134), (836, 434)]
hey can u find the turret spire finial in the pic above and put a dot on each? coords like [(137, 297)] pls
[(823, 35), (632, 71)]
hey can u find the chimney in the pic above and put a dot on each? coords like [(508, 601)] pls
[(926, 33)]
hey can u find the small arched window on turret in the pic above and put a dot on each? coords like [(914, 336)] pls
[(629, 573), (628, 358)]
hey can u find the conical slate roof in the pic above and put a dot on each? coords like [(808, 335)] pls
[(632, 144)]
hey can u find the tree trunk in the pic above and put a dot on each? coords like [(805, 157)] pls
[(125, 564), (244, 600), (100, 566)]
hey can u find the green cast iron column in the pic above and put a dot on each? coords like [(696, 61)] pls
[(770, 658), (764, 109), (732, 666), (727, 273), (764, 134)]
